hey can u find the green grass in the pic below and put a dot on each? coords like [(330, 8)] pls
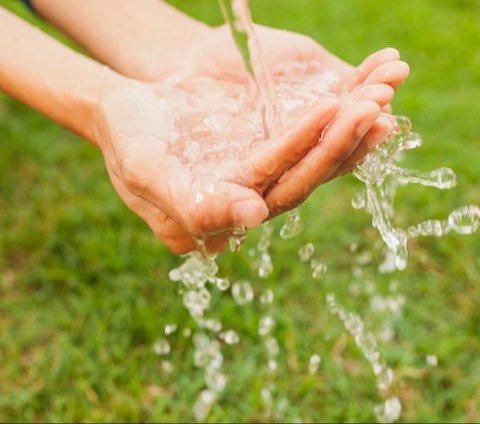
[(84, 289)]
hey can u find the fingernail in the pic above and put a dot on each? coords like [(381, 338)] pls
[(250, 213)]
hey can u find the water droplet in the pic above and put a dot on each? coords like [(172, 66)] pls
[(203, 405), (465, 220), (167, 367), (411, 141), (170, 329), (242, 292), (230, 337), (385, 378), (359, 201), (161, 347), (293, 225), (265, 326), (198, 197), (432, 360), (266, 298), (265, 266), (265, 240), (403, 124), (318, 269), (306, 252), (215, 381), (388, 264), (314, 363), (441, 178), (271, 343), (187, 332), (175, 275), (222, 284), (211, 324), (237, 238), (364, 340), (429, 228), (267, 396), (272, 365), (389, 411)]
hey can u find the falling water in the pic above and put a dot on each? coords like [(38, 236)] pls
[(237, 15)]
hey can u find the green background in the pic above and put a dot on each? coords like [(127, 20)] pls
[(84, 291)]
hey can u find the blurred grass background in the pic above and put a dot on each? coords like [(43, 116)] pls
[(84, 291)]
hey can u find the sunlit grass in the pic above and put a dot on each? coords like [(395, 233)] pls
[(84, 289)]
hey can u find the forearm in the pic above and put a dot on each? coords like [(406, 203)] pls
[(141, 39), (49, 77)]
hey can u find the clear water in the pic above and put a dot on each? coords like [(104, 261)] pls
[(213, 125)]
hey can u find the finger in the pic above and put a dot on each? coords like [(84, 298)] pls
[(375, 136), (382, 94), (392, 73), (176, 238), (376, 59), (336, 147), (273, 157), (207, 209), (387, 109)]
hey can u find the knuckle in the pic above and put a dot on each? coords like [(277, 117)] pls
[(179, 248)]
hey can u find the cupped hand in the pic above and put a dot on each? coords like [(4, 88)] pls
[(181, 203), (362, 90)]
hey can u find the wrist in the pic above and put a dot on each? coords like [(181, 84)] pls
[(81, 105), (94, 104), (154, 59), (141, 39)]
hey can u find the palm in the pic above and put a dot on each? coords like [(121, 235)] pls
[(184, 178), (214, 57), (181, 198)]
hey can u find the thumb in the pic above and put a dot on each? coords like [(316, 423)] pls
[(221, 207)]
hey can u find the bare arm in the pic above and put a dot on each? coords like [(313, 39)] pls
[(49, 77), (138, 38)]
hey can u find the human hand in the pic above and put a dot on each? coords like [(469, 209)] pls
[(177, 200), (362, 91), (180, 204)]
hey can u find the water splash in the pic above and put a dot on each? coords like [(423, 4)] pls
[(432, 360), (293, 225), (162, 347), (365, 341), (265, 266), (389, 411), (318, 269), (242, 292), (314, 363), (377, 197), (306, 252), (237, 238)]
